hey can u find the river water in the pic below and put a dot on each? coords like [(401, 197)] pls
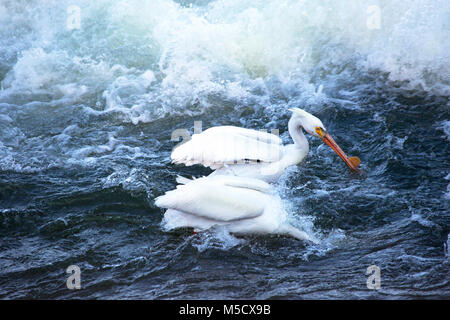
[(91, 94)]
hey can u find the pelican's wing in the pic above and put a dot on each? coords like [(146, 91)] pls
[(220, 198), (255, 134), (228, 145), (242, 182)]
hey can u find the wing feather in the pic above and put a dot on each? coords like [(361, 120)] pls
[(219, 198), (228, 145)]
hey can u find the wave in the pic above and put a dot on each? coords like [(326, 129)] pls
[(151, 58), (133, 62)]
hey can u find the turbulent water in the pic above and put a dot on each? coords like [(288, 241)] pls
[(88, 106)]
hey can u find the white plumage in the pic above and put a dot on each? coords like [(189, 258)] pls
[(227, 145), (235, 195), (257, 154), (242, 205)]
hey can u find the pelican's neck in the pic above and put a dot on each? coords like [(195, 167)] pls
[(296, 131)]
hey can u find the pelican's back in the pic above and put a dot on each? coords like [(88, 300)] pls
[(228, 145)]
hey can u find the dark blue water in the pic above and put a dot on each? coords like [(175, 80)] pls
[(86, 117)]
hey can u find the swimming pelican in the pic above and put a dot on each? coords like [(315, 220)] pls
[(243, 152), (242, 205)]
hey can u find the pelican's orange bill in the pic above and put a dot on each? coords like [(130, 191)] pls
[(352, 162)]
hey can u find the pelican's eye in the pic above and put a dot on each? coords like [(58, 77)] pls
[(320, 131)]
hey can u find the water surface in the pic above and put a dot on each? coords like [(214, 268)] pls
[(86, 116)]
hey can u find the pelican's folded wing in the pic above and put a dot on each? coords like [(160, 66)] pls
[(219, 198), (228, 145), (243, 182), (250, 133)]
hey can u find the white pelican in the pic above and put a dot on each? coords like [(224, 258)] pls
[(249, 153), (242, 205)]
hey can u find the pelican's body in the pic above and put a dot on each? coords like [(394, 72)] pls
[(236, 195), (267, 171), (242, 205), (249, 153)]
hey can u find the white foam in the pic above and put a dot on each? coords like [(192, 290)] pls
[(137, 61), (151, 58), (218, 238), (445, 126), (421, 220)]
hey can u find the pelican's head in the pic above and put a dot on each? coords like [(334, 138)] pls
[(315, 127), (309, 123)]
